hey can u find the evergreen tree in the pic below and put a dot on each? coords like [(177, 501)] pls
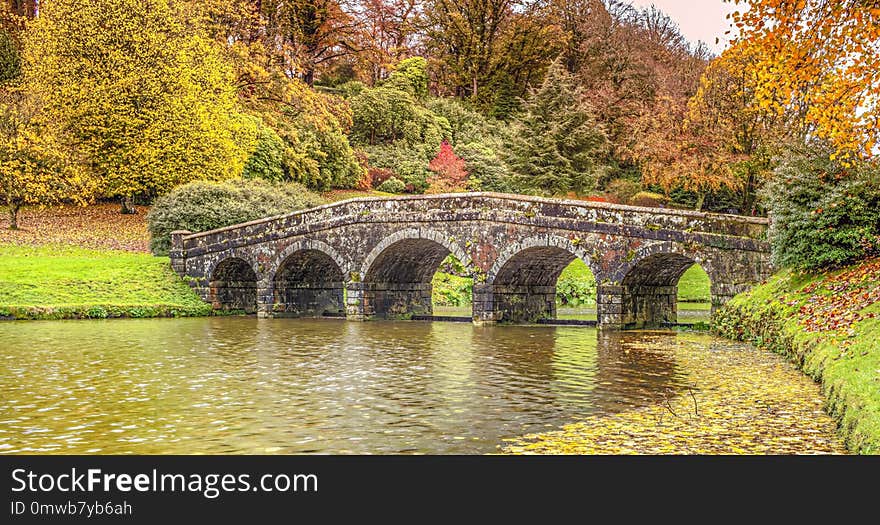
[(558, 147)]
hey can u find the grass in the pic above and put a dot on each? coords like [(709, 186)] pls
[(59, 281), (828, 324), (576, 287), (693, 287)]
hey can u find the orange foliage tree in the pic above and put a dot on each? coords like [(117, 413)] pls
[(821, 60), (450, 173)]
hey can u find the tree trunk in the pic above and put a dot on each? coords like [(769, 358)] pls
[(13, 216), (700, 198), (127, 207)]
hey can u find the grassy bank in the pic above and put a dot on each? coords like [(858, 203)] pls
[(63, 282), (828, 325)]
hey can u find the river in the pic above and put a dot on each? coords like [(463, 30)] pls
[(243, 385)]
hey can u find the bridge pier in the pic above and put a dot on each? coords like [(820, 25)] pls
[(387, 300), (641, 306), (265, 300), (514, 303), (483, 302)]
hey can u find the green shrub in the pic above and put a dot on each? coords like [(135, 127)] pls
[(338, 166), (824, 214), (384, 115), (202, 206), (465, 124), (409, 164), (267, 160), (350, 88), (410, 75), (392, 185), (487, 171)]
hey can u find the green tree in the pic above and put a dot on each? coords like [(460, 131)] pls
[(558, 147), (410, 75), (142, 90), (825, 213)]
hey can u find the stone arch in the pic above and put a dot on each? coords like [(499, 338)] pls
[(308, 279), (551, 244), (522, 282), (396, 275), (314, 245), (232, 284), (413, 234), (664, 251), (644, 289)]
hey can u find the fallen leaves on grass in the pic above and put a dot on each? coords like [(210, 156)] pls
[(100, 227), (834, 305)]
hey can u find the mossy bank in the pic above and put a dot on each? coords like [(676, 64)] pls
[(828, 325)]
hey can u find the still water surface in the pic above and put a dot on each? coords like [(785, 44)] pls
[(243, 385)]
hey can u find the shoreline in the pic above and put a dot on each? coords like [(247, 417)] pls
[(782, 316)]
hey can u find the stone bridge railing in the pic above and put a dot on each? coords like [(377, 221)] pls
[(375, 257)]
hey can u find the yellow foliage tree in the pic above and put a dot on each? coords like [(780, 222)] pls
[(821, 60), (33, 170), (142, 90)]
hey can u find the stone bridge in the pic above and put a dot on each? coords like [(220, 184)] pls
[(375, 257)]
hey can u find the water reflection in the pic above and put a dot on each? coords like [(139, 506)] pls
[(243, 385)]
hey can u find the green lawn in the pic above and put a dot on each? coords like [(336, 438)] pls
[(53, 282)]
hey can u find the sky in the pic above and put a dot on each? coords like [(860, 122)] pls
[(698, 19)]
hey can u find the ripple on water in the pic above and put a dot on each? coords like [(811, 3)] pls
[(242, 385)]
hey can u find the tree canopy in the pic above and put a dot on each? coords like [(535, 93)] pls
[(139, 88)]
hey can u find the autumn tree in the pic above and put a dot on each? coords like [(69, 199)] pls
[(558, 147), (628, 61), (36, 166), (819, 59), (450, 171), (143, 93), (674, 156), (387, 35), (310, 33), (478, 46), (301, 132), (727, 114)]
